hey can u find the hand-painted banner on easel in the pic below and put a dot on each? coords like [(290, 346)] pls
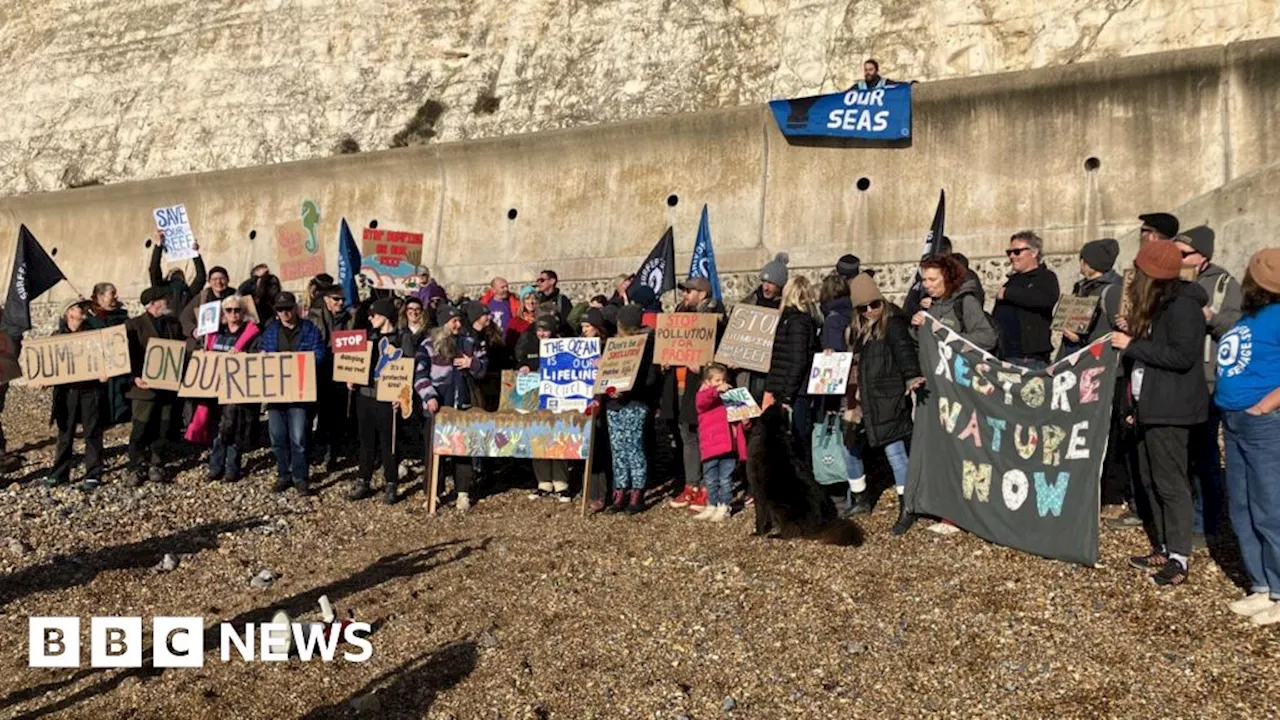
[(1013, 455), (537, 435)]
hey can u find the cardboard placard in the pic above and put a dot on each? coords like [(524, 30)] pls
[(1126, 306), (748, 340), (620, 362), (288, 377), (389, 258), (567, 368), (519, 392), (162, 364), (740, 405), (352, 367), (203, 375), (1074, 313), (349, 341), (76, 357), (296, 260), (395, 376), (208, 318), (173, 224), (687, 339), (829, 374)]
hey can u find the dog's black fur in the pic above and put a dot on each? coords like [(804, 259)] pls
[(788, 500)]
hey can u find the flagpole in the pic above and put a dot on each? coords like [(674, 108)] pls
[(73, 287)]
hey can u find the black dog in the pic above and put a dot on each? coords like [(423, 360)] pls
[(788, 501)]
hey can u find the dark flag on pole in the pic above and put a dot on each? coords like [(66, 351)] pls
[(658, 271), (930, 247), (348, 265), (34, 272)]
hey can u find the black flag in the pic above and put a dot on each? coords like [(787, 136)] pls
[(34, 272), (912, 303), (658, 271)]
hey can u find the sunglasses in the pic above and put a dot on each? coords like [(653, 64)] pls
[(1189, 253), (542, 279), (1013, 252), (873, 305), (232, 311)]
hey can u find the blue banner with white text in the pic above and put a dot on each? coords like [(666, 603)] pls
[(882, 113)]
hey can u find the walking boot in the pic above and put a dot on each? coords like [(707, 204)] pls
[(282, 484), (389, 494), (618, 503), (359, 491), (636, 504), (905, 519), (859, 506)]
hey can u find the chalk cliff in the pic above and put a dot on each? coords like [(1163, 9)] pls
[(114, 90)]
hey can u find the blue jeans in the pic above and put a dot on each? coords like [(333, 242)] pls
[(288, 427), (895, 452), (1206, 461), (1253, 494), (224, 459), (717, 474)]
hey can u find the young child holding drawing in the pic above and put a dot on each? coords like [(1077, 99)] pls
[(720, 442)]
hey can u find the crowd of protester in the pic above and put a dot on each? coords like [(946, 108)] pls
[(1200, 356)]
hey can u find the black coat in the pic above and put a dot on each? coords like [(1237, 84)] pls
[(885, 366), (60, 392), (648, 382), (141, 329), (1025, 315), (753, 381), (794, 345), (179, 292), (1174, 391)]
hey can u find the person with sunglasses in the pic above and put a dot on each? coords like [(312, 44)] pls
[(878, 397), (1024, 305), (232, 426), (1220, 315), (548, 284), (1157, 226)]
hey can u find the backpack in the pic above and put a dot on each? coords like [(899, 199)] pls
[(990, 320)]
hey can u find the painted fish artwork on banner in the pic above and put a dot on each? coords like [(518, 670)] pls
[(1014, 455), (882, 113)]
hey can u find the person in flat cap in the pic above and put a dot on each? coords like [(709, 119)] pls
[(679, 394), (1157, 226), (330, 314), (644, 296), (288, 423), (1248, 395), (155, 412), (1099, 279), (1220, 314)]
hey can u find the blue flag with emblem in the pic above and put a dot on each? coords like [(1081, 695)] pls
[(703, 263), (348, 265)]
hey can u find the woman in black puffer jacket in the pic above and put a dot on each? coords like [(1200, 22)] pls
[(794, 344), (878, 398)]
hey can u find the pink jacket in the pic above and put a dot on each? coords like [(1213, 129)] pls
[(716, 435)]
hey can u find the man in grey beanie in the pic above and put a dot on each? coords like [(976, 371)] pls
[(773, 278)]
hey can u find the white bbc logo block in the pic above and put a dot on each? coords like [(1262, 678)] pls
[(178, 642), (53, 642), (115, 642)]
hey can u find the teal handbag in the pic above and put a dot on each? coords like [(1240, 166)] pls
[(829, 467)]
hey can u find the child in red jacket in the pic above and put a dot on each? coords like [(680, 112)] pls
[(720, 442)]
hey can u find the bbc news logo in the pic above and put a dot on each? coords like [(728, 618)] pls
[(178, 642)]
